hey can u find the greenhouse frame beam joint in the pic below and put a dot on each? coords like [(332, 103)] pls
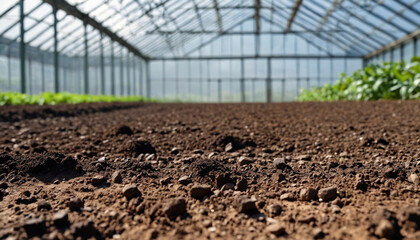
[(394, 44), (293, 14), (73, 11)]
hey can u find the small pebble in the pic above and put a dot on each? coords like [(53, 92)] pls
[(414, 178), (280, 163), (327, 194), (274, 210), (184, 180), (385, 229), (308, 194), (242, 184), (245, 205), (116, 177), (288, 197), (244, 161), (44, 205), (276, 229), (175, 207), (34, 226), (98, 180), (60, 218), (228, 186), (131, 191), (199, 191), (75, 204)]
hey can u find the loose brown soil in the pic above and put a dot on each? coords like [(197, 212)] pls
[(345, 170)]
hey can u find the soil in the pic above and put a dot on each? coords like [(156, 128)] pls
[(342, 170)]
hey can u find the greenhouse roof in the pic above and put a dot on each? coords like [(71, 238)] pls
[(178, 28)]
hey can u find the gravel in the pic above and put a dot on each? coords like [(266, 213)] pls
[(327, 194), (131, 191), (199, 191)]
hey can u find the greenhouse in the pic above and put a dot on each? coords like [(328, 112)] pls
[(189, 50), (209, 119)]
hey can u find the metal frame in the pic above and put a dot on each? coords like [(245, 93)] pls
[(171, 30)]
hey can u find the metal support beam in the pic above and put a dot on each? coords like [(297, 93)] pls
[(269, 81), (242, 81), (335, 4), (240, 33), (112, 69), (286, 56), (56, 58), (121, 72), (42, 72), (141, 77), (73, 11), (22, 48), (393, 44), (128, 74), (401, 52), (218, 15), (102, 64), (257, 16), (163, 80), (219, 89), (293, 14), (215, 37), (86, 62), (148, 87), (9, 69), (133, 61)]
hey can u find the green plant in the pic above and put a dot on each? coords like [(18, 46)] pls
[(47, 98), (386, 80)]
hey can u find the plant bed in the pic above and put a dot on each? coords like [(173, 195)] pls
[(340, 170)]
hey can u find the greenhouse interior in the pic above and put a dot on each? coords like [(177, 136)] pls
[(198, 51)]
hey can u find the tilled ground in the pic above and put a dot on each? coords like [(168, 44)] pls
[(347, 170)]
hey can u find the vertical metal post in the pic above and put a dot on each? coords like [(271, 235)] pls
[(56, 58), (65, 83), (134, 75), (392, 54), (219, 89), (189, 78), (414, 46), (331, 71), (22, 48), (268, 83), (86, 62), (102, 62), (401, 52), (43, 71), (128, 74), (163, 80), (112, 69), (148, 87), (200, 74), (297, 77), (242, 86), (30, 80), (208, 80), (254, 80), (283, 87), (141, 77), (121, 72), (318, 63), (283, 82), (9, 69), (176, 81)]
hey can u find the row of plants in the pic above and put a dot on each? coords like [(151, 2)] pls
[(47, 98), (385, 80)]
